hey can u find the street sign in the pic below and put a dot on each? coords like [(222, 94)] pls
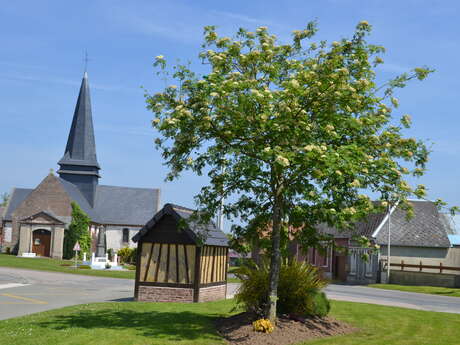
[(76, 247)]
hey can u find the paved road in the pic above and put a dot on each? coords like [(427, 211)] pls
[(25, 292), (394, 298)]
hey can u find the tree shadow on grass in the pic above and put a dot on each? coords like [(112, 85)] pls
[(452, 292), (170, 326)]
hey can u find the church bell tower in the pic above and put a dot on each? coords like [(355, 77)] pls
[(79, 164)]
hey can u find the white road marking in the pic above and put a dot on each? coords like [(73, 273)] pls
[(11, 285)]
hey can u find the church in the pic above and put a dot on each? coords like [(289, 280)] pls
[(34, 220)]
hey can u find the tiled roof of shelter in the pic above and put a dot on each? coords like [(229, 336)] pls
[(208, 232)]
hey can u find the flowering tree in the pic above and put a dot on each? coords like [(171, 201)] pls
[(295, 132)]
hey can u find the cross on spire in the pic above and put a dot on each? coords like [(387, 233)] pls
[(85, 59)]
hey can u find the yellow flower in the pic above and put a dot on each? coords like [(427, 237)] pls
[(283, 161), (364, 22), (355, 183), (159, 57)]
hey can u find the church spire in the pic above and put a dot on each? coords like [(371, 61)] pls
[(81, 146), (79, 164)]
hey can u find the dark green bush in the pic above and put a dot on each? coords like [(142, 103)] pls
[(299, 289), (321, 305)]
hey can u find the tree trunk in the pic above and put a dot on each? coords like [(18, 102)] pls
[(275, 261)]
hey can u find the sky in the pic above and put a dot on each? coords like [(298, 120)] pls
[(42, 63)]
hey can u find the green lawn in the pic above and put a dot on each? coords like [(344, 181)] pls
[(137, 323), (420, 289), (45, 264)]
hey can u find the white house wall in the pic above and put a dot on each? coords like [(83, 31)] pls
[(114, 237)]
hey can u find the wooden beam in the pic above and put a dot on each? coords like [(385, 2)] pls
[(157, 269), (148, 263), (187, 276), (196, 283)]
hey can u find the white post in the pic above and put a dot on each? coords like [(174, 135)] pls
[(106, 257), (115, 259), (93, 256), (389, 244), (84, 256), (220, 214)]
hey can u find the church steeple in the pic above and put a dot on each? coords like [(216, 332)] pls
[(79, 164)]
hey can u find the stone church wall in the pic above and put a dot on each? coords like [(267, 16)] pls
[(114, 236), (50, 196)]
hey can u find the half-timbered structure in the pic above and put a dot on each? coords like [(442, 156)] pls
[(179, 259)]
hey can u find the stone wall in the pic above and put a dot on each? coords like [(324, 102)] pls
[(114, 236), (50, 196), (164, 294), (424, 279), (212, 293)]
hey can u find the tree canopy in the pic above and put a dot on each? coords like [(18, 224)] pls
[(296, 133)]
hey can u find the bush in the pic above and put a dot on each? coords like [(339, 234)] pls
[(321, 304), (263, 325), (298, 289), (127, 255)]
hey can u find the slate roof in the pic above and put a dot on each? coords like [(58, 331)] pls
[(81, 145), (114, 205), (425, 229), (125, 205), (428, 227), (209, 232), (17, 196)]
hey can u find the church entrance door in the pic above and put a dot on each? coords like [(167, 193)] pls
[(41, 241)]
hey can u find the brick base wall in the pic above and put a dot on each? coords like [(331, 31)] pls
[(213, 293), (164, 294)]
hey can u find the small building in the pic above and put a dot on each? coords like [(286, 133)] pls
[(179, 260)]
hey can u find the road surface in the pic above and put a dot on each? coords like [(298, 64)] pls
[(25, 292)]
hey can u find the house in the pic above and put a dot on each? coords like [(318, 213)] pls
[(35, 220), (421, 239), (179, 259)]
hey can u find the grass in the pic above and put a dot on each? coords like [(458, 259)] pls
[(138, 323), (433, 290), (54, 265)]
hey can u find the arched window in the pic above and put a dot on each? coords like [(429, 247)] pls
[(125, 235)]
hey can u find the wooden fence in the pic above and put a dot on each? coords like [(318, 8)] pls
[(421, 266)]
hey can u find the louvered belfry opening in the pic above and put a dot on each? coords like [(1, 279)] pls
[(174, 265)]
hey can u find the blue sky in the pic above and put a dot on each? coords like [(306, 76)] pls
[(41, 66)]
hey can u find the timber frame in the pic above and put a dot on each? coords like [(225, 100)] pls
[(171, 256)]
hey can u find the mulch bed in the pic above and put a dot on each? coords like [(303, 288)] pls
[(238, 330)]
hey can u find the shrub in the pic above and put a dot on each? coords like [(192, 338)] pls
[(127, 255), (321, 304), (84, 267), (78, 231), (263, 325), (298, 290)]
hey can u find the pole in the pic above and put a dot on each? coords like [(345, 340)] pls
[(220, 214), (389, 243)]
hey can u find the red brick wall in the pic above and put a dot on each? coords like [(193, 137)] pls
[(213, 293), (164, 294)]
